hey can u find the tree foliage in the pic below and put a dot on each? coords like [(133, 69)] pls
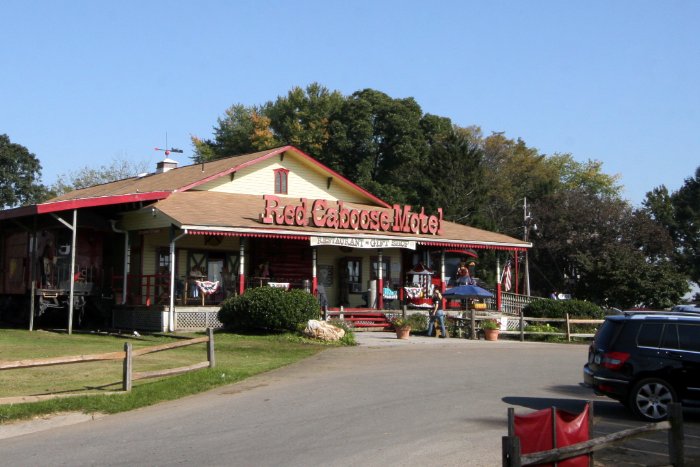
[(87, 176), (679, 214), (602, 250), (20, 172)]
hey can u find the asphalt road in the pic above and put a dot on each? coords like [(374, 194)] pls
[(420, 402)]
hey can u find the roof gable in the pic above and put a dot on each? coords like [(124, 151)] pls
[(211, 174)]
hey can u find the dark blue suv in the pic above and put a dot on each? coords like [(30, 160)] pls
[(646, 360)]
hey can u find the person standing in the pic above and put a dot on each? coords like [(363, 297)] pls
[(436, 313)]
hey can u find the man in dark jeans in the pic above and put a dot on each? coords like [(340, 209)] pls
[(437, 313)]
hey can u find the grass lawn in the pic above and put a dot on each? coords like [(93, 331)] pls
[(237, 357)]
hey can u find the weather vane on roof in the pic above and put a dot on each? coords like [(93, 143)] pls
[(166, 150)]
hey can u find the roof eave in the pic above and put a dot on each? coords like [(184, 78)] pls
[(80, 203)]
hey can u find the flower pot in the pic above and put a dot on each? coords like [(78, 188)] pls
[(403, 332), (491, 334)]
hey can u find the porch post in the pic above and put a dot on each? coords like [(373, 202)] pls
[(442, 279), (125, 281), (72, 271), (516, 255), (171, 314), (314, 278), (380, 279), (241, 266), (498, 267), (32, 275), (74, 228)]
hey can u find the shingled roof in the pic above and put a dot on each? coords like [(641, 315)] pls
[(241, 214), (178, 179)]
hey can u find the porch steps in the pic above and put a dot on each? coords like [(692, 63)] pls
[(363, 320)]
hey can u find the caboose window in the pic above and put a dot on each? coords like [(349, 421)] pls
[(281, 181)]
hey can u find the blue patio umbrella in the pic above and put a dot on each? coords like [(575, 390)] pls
[(467, 291)]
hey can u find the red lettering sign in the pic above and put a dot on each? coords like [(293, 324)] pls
[(404, 219)]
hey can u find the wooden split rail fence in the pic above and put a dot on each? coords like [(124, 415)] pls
[(568, 334), (127, 356)]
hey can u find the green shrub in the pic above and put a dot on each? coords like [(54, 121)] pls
[(418, 322), (548, 308), (542, 328), (269, 309)]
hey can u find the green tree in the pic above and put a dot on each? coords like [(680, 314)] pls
[(302, 118), (20, 172), (679, 213), (587, 175), (454, 177), (602, 250), (378, 143)]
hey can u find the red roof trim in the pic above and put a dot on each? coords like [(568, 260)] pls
[(69, 204), (279, 151), (474, 246), (233, 169)]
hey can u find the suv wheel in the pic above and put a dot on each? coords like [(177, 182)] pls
[(650, 399)]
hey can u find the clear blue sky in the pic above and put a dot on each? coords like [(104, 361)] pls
[(83, 83)]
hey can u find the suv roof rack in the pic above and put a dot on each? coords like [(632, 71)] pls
[(663, 313)]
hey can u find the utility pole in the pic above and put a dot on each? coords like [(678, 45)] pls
[(527, 221)]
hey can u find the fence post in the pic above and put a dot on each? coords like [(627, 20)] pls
[(522, 326), (126, 374), (510, 449), (568, 328), (210, 348), (676, 454)]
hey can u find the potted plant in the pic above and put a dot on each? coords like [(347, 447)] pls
[(491, 328), (402, 326)]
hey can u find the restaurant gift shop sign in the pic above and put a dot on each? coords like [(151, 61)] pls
[(362, 242), (335, 215)]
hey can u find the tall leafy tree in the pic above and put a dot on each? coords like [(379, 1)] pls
[(302, 117), (454, 176), (20, 172), (378, 143), (241, 130), (601, 249), (679, 213)]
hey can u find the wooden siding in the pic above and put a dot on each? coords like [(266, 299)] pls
[(303, 180), (143, 219)]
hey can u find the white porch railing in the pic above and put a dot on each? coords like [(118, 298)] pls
[(513, 304)]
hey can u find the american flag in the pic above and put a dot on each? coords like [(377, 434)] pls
[(506, 276)]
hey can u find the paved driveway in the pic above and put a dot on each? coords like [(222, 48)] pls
[(425, 401)]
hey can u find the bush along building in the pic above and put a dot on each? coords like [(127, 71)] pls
[(163, 250)]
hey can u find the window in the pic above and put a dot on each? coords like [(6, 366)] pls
[(649, 335), (163, 266), (281, 181), (354, 268), (670, 337), (688, 335), (386, 268)]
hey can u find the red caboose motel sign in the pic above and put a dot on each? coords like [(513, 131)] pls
[(320, 213)]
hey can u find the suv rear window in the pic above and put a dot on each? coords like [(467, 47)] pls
[(649, 334), (607, 332)]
